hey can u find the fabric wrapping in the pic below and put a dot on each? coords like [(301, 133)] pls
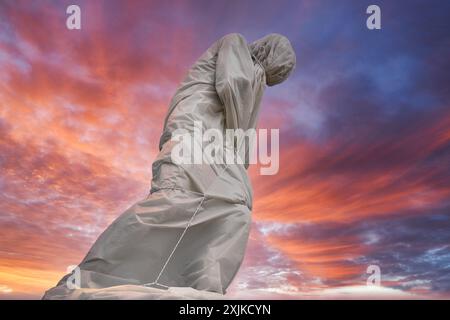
[(192, 229)]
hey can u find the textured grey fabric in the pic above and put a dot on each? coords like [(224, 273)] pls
[(193, 227), (277, 56)]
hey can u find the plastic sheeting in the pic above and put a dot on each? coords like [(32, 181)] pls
[(193, 227)]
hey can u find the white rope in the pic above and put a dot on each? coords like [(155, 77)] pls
[(155, 283), (176, 246)]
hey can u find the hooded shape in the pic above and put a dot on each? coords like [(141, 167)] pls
[(276, 55)]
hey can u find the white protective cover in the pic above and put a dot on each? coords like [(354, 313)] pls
[(193, 227)]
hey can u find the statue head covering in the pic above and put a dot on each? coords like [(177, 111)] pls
[(276, 55)]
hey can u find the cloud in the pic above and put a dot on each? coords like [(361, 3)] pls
[(5, 289), (365, 138), (52, 207), (411, 258)]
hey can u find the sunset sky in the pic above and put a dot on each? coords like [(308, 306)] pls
[(364, 125)]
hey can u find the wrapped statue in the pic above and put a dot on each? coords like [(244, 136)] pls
[(192, 228)]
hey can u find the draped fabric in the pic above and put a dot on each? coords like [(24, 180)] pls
[(191, 230)]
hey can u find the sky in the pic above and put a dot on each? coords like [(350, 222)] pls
[(364, 123)]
